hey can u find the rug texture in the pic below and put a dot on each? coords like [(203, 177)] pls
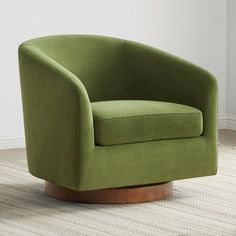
[(198, 207)]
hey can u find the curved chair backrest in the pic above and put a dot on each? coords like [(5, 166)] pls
[(116, 69), (96, 60)]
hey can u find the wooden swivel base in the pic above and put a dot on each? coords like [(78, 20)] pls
[(134, 194)]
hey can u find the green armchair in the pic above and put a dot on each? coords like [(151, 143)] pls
[(105, 113)]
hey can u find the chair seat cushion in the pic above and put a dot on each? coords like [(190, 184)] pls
[(130, 121)]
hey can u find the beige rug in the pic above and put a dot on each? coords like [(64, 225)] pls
[(199, 207)]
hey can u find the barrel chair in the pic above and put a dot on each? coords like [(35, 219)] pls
[(114, 121)]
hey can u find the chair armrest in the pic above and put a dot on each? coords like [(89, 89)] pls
[(57, 116), (161, 76)]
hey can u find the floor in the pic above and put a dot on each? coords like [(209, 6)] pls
[(26, 210), (226, 137)]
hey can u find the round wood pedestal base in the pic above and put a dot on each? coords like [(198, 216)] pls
[(134, 194)]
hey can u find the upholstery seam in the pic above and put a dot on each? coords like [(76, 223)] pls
[(137, 116), (152, 138)]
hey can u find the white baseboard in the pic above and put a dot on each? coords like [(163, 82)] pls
[(222, 121), (12, 142), (227, 121)]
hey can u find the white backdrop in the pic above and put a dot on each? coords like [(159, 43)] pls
[(231, 59), (192, 29)]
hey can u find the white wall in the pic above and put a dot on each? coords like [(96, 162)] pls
[(230, 116), (193, 29)]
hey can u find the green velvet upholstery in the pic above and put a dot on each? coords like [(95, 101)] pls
[(62, 75), (132, 121)]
